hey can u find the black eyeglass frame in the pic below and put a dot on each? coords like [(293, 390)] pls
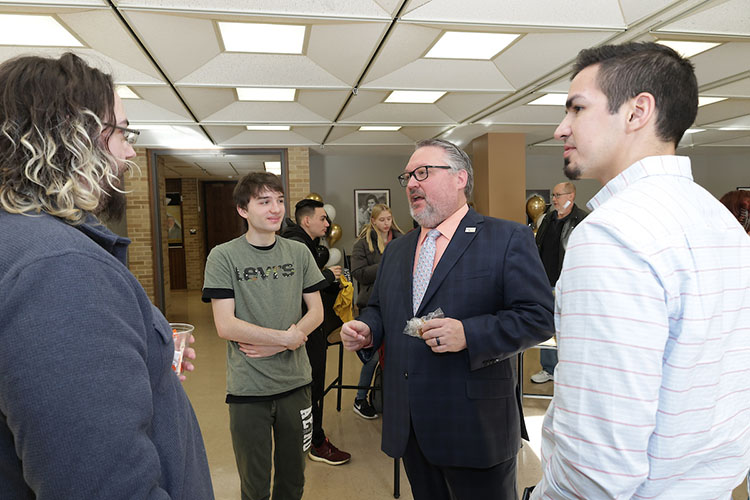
[(130, 135), (403, 179)]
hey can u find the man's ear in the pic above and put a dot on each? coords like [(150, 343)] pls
[(641, 111), (242, 211)]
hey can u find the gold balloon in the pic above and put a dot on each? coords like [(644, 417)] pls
[(314, 196), (334, 235), (535, 206)]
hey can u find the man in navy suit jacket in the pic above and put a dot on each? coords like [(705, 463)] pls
[(452, 408)]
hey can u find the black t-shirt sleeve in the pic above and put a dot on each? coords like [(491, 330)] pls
[(314, 288), (217, 293)]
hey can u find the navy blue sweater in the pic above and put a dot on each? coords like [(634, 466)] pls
[(89, 406)]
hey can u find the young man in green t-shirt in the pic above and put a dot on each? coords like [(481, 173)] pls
[(254, 284)]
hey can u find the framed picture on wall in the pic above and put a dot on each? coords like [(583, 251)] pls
[(364, 200)]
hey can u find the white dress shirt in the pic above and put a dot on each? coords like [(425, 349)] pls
[(652, 388)]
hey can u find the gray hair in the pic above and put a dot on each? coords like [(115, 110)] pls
[(457, 159)]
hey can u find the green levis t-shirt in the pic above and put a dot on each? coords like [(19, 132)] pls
[(267, 286)]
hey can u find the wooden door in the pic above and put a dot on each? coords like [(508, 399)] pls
[(223, 223)]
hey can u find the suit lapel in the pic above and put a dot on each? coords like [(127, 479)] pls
[(456, 248)]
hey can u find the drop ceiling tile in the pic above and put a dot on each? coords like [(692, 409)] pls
[(635, 10), (205, 101), (552, 51), (400, 114), (720, 112), (325, 103), (120, 72), (371, 138), (405, 43), (180, 44), (268, 138), (528, 115), (247, 112), (740, 88), (354, 44), (103, 32), (444, 74), (364, 100), (721, 62), (419, 133), (315, 134), (262, 70), (143, 111), (163, 97), (461, 105), (598, 13), (731, 17), (382, 9)]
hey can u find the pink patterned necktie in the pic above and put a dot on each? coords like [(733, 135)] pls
[(423, 273)]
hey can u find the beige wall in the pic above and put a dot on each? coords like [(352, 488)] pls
[(195, 244)]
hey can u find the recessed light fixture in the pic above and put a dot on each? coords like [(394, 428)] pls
[(704, 101), (470, 45), (379, 128), (265, 94), (694, 130), (125, 92), (553, 99), (273, 167), (738, 128), (265, 38), (269, 127), (44, 31), (688, 49), (414, 96)]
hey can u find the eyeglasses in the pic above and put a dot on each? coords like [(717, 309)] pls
[(130, 135), (556, 195), (419, 173)]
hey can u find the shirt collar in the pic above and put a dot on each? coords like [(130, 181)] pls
[(448, 227), (109, 241), (647, 167)]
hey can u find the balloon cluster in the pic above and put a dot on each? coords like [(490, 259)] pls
[(334, 231)]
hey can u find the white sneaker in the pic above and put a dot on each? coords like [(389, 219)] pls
[(542, 377)]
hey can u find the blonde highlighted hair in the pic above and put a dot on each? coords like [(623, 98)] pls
[(53, 146), (369, 228)]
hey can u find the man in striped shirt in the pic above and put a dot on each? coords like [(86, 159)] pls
[(652, 389)]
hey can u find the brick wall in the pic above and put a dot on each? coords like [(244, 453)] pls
[(192, 218), (140, 258), (298, 175)]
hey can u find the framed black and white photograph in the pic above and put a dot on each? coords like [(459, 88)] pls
[(364, 200)]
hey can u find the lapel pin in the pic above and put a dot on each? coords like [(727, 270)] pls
[(471, 230)]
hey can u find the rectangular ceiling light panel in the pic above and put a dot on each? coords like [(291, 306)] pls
[(265, 94), (125, 92), (704, 101), (469, 45), (38, 31), (278, 128), (273, 167), (379, 128), (550, 100), (414, 96), (263, 38), (688, 49)]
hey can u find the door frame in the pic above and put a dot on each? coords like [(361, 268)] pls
[(156, 215)]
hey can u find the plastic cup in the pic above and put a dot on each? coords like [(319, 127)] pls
[(180, 335)]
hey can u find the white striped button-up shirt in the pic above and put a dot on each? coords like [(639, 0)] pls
[(652, 388)]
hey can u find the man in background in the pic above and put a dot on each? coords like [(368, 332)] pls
[(452, 406), (651, 397), (89, 404), (312, 225), (552, 240)]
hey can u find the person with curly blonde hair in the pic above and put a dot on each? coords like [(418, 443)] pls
[(91, 407)]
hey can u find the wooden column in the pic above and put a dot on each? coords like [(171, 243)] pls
[(500, 176)]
